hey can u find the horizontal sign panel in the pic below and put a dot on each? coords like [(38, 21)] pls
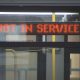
[(39, 28)]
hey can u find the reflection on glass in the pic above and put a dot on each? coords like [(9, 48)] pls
[(75, 67), (34, 17), (19, 38), (21, 65), (25, 63), (23, 17), (73, 38)]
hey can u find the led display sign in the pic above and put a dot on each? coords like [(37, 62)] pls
[(41, 28)]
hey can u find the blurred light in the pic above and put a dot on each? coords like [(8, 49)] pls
[(65, 13), (37, 13), (26, 13)]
